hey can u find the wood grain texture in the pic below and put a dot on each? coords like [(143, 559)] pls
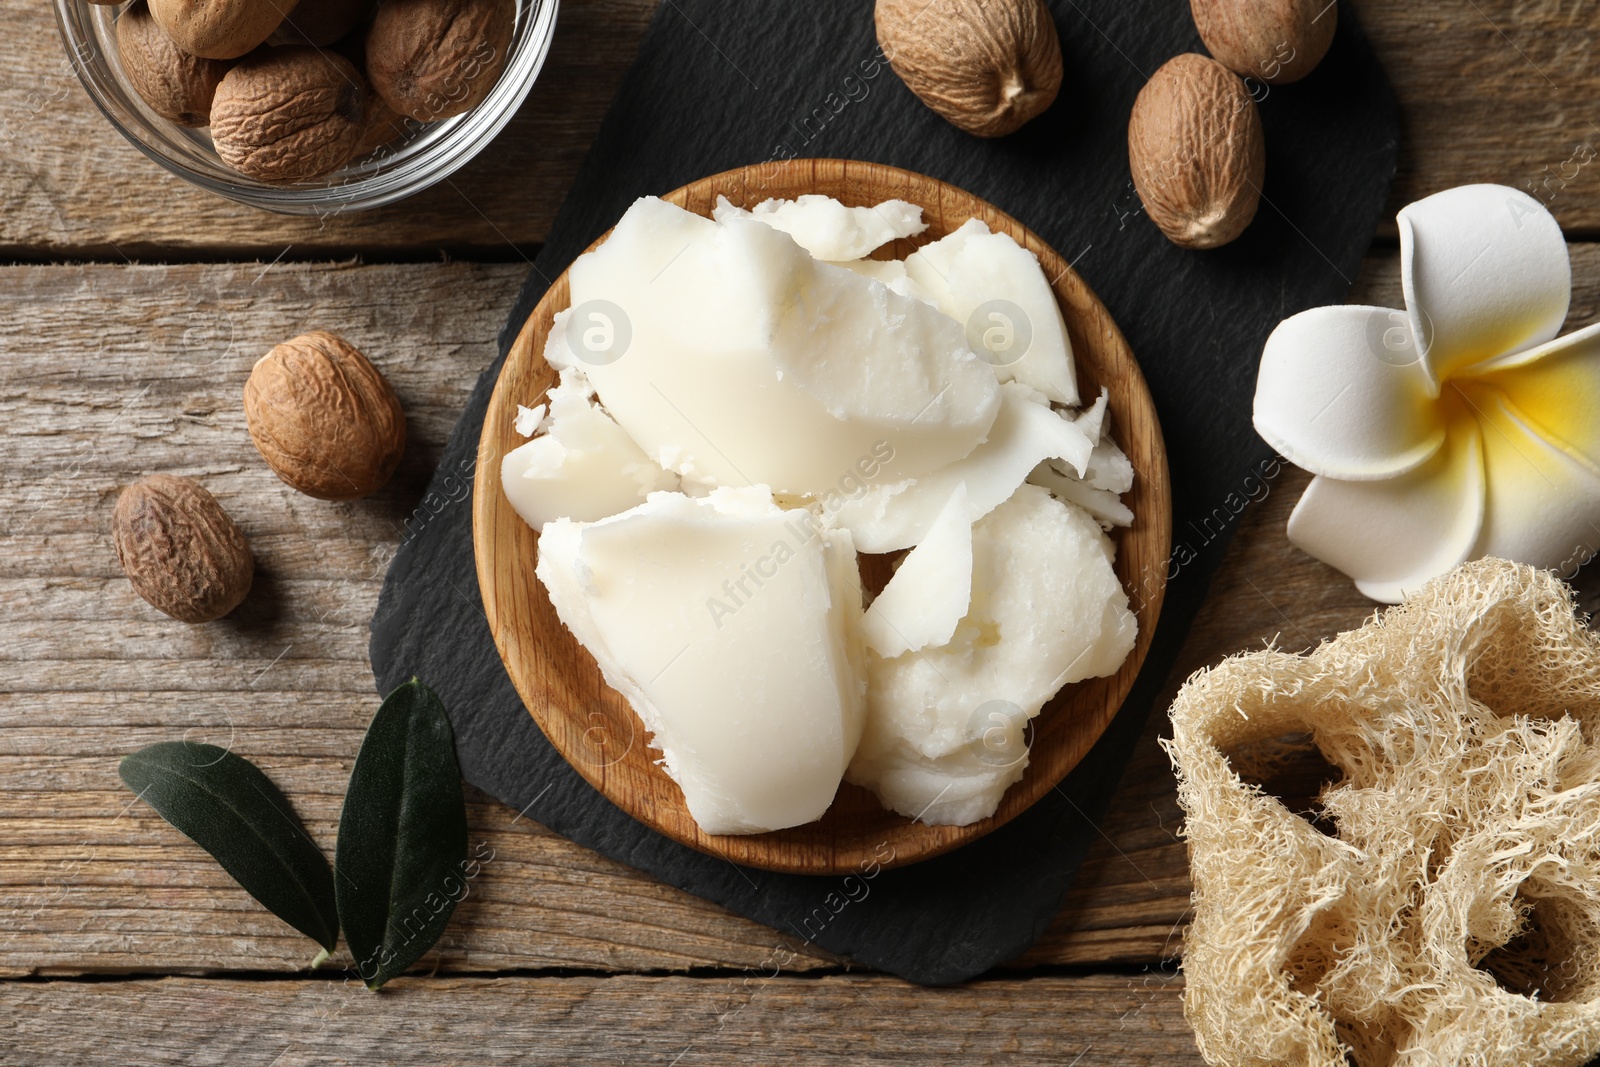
[(1492, 90), (108, 372), (737, 1020), (70, 184), (560, 682)]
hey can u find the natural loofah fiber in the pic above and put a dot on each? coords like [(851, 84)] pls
[(1454, 918)]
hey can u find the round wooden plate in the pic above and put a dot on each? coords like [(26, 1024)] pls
[(592, 725)]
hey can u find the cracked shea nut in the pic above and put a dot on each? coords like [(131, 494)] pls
[(178, 86), (1197, 152), (431, 59), (289, 114), (324, 418), (1278, 41), (220, 29), (986, 67), (180, 550)]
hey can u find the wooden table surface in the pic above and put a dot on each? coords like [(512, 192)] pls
[(131, 309)]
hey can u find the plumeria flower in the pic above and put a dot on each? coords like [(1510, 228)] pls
[(1458, 428)]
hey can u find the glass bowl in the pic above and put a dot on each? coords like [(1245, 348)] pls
[(428, 153)]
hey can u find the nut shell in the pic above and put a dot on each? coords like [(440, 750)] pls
[(220, 29), (178, 86), (382, 127), (322, 22), (289, 114), (1278, 41), (1197, 152), (431, 59), (180, 550), (986, 67), (324, 418)]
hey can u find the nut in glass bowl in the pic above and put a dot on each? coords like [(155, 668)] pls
[(386, 164)]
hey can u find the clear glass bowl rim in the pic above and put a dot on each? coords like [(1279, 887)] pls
[(444, 147)]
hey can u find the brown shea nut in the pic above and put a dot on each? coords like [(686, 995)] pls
[(180, 550), (1278, 41), (289, 114), (382, 127), (178, 86), (324, 418), (220, 29), (322, 22), (986, 66), (431, 59), (1197, 152)]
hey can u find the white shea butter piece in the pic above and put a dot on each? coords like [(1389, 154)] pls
[(829, 230), (1106, 507), (971, 275), (747, 362), (944, 734), (1109, 468), (891, 272), (885, 517), (530, 420), (582, 466), (1099, 486), (1092, 420), (930, 591), (731, 626)]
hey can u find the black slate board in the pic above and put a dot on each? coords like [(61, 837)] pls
[(719, 84)]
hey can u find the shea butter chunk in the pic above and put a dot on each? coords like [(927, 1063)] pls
[(995, 288), (893, 515), (1098, 488), (944, 734), (892, 273), (730, 625), (930, 591), (581, 466), (829, 230), (749, 363)]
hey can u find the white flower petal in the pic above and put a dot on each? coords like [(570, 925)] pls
[(1485, 272), (1391, 536), (1543, 505), (1342, 393), (1555, 389)]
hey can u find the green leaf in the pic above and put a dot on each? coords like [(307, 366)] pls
[(401, 860), (228, 807)]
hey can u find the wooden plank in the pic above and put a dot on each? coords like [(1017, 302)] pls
[(1494, 91), (92, 672), (69, 182), (1491, 90), (754, 1017), (90, 883)]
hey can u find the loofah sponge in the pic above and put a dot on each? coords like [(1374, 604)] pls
[(1444, 907)]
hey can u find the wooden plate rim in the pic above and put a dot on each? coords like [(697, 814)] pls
[(797, 850)]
